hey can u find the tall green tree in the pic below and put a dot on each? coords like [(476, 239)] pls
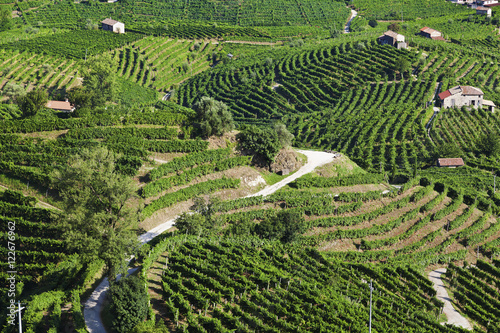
[(402, 65), (99, 84), (129, 303), (214, 117), (32, 102), (98, 221), (263, 142), (284, 136)]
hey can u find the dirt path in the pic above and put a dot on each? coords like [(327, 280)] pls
[(454, 317), (347, 28)]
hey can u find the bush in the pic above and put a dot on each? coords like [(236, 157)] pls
[(372, 23), (285, 226), (262, 142), (129, 303)]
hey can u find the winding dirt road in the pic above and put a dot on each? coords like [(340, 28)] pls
[(94, 305), (454, 317)]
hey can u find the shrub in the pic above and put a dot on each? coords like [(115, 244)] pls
[(129, 303)]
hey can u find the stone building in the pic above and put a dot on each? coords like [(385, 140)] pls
[(461, 96), (112, 25), (394, 39)]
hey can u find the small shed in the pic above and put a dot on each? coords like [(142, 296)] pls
[(394, 39), (489, 105), (431, 33), (450, 162), (112, 25), (483, 11), (63, 106)]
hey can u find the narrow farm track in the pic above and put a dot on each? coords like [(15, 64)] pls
[(94, 305), (454, 317), (347, 28)]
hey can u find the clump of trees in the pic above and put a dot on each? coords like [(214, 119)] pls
[(32, 102), (98, 222), (265, 142), (99, 84), (214, 117), (129, 303)]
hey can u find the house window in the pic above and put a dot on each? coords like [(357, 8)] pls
[(473, 102)]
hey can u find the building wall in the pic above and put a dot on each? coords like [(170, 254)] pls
[(119, 28), (463, 100)]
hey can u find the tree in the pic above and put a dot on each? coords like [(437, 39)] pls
[(285, 226), (80, 98), (214, 117), (5, 18), (32, 102), (189, 223), (98, 221), (394, 27), (262, 142), (99, 81), (284, 136), (202, 220), (13, 90), (488, 144), (372, 23), (402, 65), (129, 303)]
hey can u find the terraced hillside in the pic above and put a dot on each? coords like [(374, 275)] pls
[(31, 69), (162, 63), (402, 232), (212, 286)]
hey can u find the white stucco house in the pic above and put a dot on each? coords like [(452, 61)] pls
[(112, 25)]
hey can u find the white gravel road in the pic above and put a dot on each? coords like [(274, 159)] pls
[(94, 305), (454, 317)]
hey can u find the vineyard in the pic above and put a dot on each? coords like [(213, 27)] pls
[(43, 268), (475, 291), (421, 225), (248, 13), (212, 286), (160, 63), (410, 10)]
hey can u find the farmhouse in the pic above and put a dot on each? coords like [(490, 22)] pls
[(394, 39), (60, 106), (461, 96), (483, 11), (431, 33), (486, 2), (112, 25), (450, 162)]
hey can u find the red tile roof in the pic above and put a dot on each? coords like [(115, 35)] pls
[(438, 38), (444, 94), (450, 162), (59, 105)]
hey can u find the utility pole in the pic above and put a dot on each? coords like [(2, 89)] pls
[(19, 308), (371, 292)]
